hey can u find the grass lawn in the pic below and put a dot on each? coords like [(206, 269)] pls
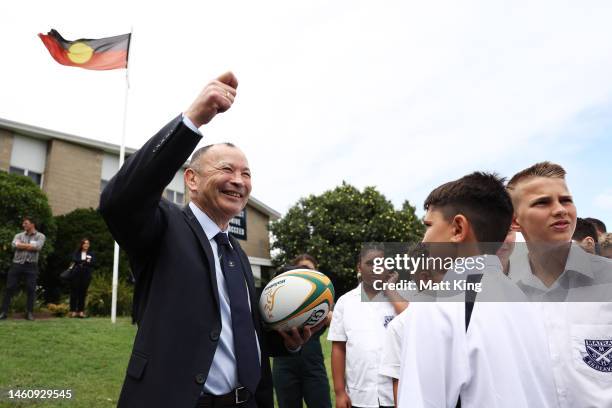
[(87, 356)]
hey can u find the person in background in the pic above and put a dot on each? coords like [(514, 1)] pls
[(605, 245), (585, 235), (601, 230), (392, 348), (83, 261), (357, 332), (305, 261), (302, 376), (599, 226), (505, 251), (27, 246)]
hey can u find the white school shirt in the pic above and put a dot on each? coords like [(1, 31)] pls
[(497, 363), (361, 324), (392, 348), (578, 334)]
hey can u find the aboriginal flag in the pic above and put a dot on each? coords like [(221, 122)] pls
[(98, 54)]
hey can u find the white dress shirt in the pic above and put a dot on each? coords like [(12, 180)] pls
[(392, 347), (223, 373), (361, 324), (577, 333), (498, 363)]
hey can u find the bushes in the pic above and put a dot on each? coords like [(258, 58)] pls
[(99, 297), (71, 228), (20, 196), (85, 223)]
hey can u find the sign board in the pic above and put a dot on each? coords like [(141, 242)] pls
[(238, 225)]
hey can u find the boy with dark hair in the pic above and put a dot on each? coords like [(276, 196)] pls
[(585, 235), (442, 363), (479, 198), (599, 226)]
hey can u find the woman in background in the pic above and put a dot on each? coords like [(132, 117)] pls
[(83, 261)]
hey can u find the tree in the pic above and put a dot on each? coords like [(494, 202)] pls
[(333, 226), (19, 197)]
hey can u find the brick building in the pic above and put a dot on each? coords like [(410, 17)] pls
[(73, 171)]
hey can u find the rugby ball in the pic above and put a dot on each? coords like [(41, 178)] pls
[(297, 298)]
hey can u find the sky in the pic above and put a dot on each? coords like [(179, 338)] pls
[(401, 95)]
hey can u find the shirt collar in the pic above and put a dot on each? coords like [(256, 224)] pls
[(577, 262), (210, 228)]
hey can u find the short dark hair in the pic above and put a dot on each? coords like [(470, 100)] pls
[(584, 229), (481, 198), (198, 153), (369, 247), (598, 224), (305, 257), (29, 218)]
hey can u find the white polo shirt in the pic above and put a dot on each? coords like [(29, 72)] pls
[(392, 348), (578, 334), (498, 363), (361, 324)]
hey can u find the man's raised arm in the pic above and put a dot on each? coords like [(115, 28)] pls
[(129, 203)]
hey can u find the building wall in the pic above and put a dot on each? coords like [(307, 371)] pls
[(258, 240), (72, 176), (6, 147)]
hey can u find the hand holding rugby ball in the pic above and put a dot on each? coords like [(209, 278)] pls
[(297, 298)]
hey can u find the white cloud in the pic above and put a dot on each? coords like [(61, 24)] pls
[(401, 95)]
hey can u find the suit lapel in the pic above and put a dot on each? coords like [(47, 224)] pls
[(195, 226)]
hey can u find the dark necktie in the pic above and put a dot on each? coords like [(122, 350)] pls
[(245, 342)]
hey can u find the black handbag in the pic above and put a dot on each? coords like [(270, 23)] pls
[(68, 273)]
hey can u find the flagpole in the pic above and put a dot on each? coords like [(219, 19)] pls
[(121, 160)]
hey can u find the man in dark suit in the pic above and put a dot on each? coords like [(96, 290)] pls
[(199, 340)]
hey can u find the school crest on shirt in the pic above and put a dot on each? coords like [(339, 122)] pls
[(598, 355), (388, 320)]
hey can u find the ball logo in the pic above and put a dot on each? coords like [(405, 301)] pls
[(314, 317), (269, 305)]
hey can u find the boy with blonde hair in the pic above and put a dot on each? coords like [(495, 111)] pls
[(573, 286)]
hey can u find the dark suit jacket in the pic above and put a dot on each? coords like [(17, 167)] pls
[(83, 266), (176, 301)]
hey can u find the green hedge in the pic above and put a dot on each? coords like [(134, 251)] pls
[(20, 196), (99, 297), (71, 228)]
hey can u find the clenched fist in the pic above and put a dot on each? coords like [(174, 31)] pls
[(216, 97)]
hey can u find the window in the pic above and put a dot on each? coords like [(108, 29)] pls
[(36, 177), (28, 158), (174, 196)]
